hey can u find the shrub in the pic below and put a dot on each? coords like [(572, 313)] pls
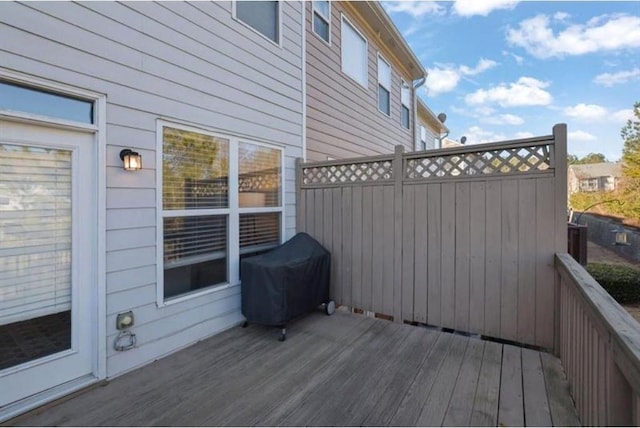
[(622, 282)]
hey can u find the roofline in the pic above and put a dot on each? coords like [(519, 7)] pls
[(377, 8), (421, 104)]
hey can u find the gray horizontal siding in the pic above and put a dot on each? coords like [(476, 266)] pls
[(184, 62), (343, 119)]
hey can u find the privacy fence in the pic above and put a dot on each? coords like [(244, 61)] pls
[(462, 238)]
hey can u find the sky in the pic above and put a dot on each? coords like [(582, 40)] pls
[(504, 69)]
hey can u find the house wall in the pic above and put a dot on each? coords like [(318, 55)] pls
[(343, 119), (185, 62), (432, 134)]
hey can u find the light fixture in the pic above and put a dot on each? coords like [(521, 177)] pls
[(131, 161), (621, 237)]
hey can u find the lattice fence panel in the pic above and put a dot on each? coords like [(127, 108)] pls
[(491, 162), (348, 173)]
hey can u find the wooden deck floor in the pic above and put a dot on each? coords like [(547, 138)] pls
[(341, 370)]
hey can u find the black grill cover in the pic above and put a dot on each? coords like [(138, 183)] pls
[(286, 282)]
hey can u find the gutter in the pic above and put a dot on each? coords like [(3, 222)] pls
[(304, 80)]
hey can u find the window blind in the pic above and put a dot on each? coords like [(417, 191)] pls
[(354, 54), (259, 232), (35, 232)]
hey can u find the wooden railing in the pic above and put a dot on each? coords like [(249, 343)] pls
[(598, 343), (462, 238)]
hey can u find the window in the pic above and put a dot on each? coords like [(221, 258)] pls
[(322, 19), (405, 97), (262, 16), (221, 201), (43, 103), (354, 53), (384, 86), (423, 138)]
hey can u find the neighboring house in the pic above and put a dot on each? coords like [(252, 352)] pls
[(450, 142), (431, 131), (360, 81), (210, 94), (594, 177)]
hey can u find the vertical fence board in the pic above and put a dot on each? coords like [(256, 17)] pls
[(526, 260), (327, 218), (509, 281), (462, 231), (388, 233), (310, 212), (367, 243), (398, 188), (545, 290), (301, 224), (408, 242), (493, 259), (434, 252), (447, 273), (318, 229), (421, 254), (356, 249), (347, 232), (477, 210), (336, 248), (377, 254)]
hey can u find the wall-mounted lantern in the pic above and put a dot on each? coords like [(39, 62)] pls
[(621, 236), (131, 161)]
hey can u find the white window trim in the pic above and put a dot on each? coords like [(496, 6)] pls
[(365, 84), (279, 42), (326, 19), (380, 57), (99, 298), (233, 214), (403, 83)]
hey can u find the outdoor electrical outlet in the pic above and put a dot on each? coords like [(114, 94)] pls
[(124, 321)]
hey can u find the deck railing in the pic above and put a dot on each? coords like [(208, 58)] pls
[(462, 238), (598, 343)]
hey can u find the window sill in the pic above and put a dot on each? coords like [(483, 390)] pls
[(195, 294)]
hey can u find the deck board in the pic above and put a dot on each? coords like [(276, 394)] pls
[(347, 370)]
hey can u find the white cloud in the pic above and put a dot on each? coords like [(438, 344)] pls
[(519, 60), (414, 8), (602, 33), (524, 134), (485, 7), (445, 78), (610, 79), (483, 65), (527, 91), (503, 119), (477, 135), (580, 136), (586, 111), (622, 116), (561, 16)]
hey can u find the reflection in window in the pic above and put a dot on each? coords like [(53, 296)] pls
[(260, 182), (35, 101)]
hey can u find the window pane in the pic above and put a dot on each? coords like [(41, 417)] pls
[(405, 117), (321, 27), (322, 7), (383, 100), (405, 94), (423, 133), (195, 169), (195, 253), (260, 180), (259, 232), (35, 101), (354, 54), (384, 73), (261, 15)]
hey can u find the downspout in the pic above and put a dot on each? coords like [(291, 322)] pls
[(304, 81), (416, 84)]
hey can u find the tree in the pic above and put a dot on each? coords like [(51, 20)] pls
[(590, 158), (631, 150)]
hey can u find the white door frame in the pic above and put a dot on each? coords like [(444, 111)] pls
[(98, 299)]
